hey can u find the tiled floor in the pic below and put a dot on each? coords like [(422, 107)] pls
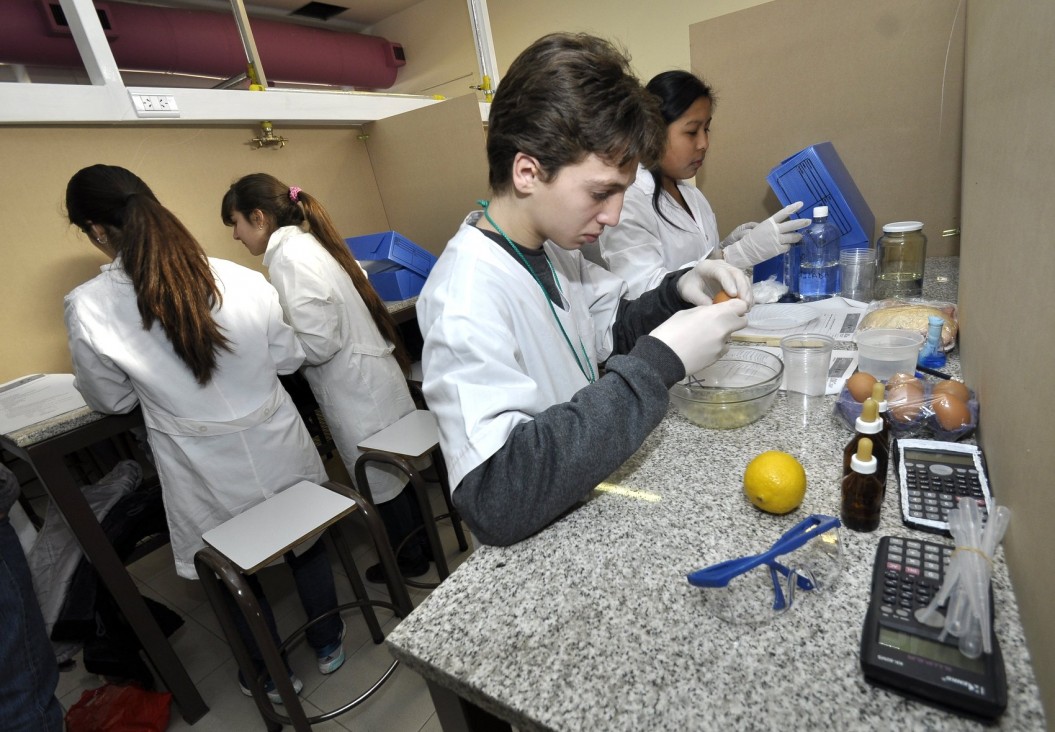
[(401, 705)]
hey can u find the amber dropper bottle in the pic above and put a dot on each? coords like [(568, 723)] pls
[(862, 493)]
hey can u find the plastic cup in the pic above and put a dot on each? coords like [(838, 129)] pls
[(857, 268), (883, 352), (807, 357)]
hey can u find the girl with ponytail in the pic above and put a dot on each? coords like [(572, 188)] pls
[(356, 363), (198, 343)]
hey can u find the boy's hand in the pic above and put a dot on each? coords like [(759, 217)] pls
[(709, 276), (698, 335)]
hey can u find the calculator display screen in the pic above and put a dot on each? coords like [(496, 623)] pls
[(931, 650), (949, 458)]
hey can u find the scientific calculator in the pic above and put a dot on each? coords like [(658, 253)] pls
[(900, 653), (932, 475)]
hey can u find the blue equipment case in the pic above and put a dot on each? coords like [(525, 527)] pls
[(396, 266), (817, 177)]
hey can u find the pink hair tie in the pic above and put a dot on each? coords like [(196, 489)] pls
[(294, 191)]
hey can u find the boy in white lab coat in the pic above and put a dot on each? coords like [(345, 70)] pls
[(515, 321)]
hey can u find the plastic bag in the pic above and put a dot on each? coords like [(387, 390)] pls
[(113, 708), (912, 315)]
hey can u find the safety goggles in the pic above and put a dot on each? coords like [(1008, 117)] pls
[(757, 588)]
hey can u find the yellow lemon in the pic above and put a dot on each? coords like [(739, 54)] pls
[(775, 482)]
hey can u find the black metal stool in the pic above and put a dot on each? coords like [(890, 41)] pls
[(257, 537), (414, 436)]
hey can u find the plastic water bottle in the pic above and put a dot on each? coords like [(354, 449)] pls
[(819, 265)]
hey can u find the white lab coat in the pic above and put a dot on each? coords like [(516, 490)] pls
[(493, 354), (644, 246), (220, 448), (350, 367)]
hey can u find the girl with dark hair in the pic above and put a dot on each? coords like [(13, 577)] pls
[(198, 343), (667, 223), (356, 363)]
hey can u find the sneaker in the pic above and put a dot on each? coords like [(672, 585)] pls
[(269, 687), (331, 657), (376, 573)]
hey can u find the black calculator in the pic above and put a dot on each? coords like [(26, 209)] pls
[(933, 475), (901, 653)]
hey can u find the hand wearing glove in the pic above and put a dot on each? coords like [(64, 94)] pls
[(737, 234), (710, 276), (768, 239), (698, 335)]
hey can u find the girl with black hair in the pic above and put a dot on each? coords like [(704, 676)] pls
[(666, 223)]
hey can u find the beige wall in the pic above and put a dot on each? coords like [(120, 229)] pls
[(188, 168), (1007, 266), (441, 57)]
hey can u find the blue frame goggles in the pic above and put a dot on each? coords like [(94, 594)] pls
[(757, 588)]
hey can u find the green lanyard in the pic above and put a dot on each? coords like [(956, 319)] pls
[(590, 376)]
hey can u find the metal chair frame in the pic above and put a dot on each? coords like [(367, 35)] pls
[(219, 574)]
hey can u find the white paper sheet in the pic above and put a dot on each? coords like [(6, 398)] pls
[(33, 399), (836, 317)]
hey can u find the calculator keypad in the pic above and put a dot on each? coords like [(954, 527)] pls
[(933, 489), (912, 576)]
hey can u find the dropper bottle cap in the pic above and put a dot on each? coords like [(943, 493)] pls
[(879, 394), (863, 462), (869, 422)]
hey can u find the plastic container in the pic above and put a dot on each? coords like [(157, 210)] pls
[(736, 390), (883, 352), (857, 271), (393, 248), (901, 253), (393, 283), (395, 266), (819, 262), (817, 177)]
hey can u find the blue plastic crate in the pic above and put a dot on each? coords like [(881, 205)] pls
[(392, 282), (392, 247), (817, 177)]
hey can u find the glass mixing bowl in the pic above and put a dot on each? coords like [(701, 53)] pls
[(732, 392)]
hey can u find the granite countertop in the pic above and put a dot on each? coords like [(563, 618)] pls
[(591, 624)]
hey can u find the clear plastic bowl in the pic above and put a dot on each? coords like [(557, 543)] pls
[(733, 392), (883, 352)]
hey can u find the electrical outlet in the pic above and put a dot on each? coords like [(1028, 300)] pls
[(155, 105)]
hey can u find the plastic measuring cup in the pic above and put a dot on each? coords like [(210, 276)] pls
[(883, 352)]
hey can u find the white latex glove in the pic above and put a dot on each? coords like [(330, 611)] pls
[(737, 234), (698, 335), (709, 276), (768, 239)]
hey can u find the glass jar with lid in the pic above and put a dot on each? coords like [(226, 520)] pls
[(900, 256)]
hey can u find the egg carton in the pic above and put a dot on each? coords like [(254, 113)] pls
[(915, 417)]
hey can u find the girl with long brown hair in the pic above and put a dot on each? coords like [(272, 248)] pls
[(356, 363), (198, 343)]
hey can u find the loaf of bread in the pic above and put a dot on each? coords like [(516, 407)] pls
[(911, 316)]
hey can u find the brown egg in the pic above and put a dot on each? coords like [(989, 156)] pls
[(907, 380), (722, 296), (954, 388), (905, 401), (952, 413), (860, 385)]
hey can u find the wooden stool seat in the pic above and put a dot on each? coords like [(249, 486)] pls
[(258, 537), (413, 436)]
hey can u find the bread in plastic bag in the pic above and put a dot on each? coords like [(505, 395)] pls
[(912, 315)]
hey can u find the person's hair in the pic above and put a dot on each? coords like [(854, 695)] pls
[(290, 206), (565, 97), (676, 92), (170, 271)]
